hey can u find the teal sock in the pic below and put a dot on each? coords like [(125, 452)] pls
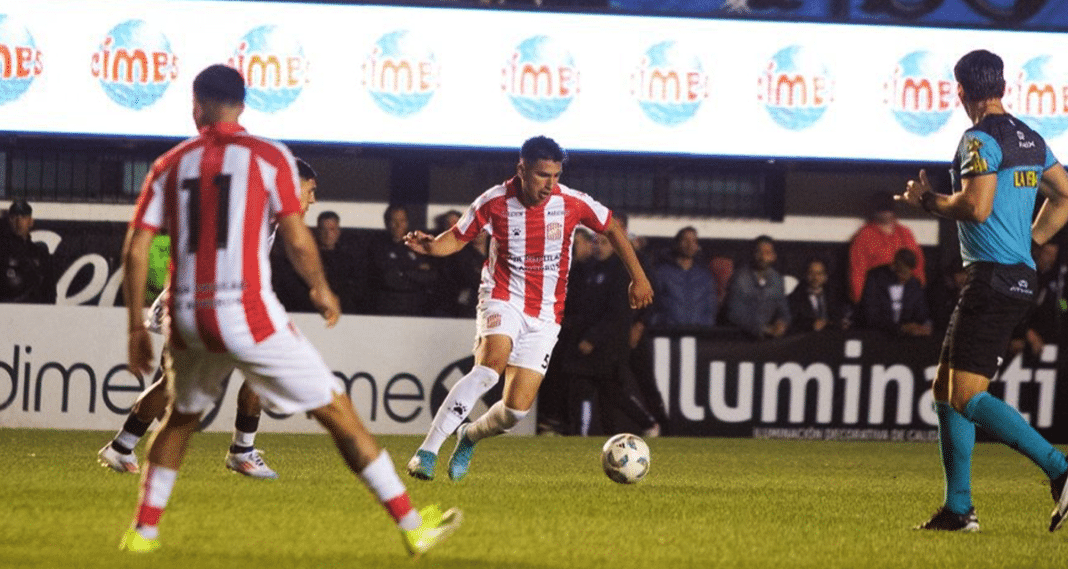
[(1001, 420), (956, 439)]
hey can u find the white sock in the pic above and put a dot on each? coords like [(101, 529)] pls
[(496, 421), (156, 487), (381, 478), (462, 397), (127, 439), (243, 439)]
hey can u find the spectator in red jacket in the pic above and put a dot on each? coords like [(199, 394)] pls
[(875, 244)]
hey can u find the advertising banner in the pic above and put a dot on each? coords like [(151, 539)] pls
[(63, 367), (858, 385), (393, 75)]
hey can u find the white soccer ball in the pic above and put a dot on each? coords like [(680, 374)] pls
[(625, 458)]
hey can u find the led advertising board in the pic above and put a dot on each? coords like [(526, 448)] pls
[(389, 75)]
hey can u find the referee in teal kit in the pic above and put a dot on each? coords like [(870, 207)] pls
[(1000, 166)]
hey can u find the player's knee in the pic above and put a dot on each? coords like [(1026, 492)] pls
[(485, 376)]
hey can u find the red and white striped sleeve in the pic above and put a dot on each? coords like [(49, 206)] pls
[(590, 212), (478, 214)]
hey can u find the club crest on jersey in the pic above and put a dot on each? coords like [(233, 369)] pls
[(493, 320), (273, 65), (21, 62), (135, 64), (554, 231)]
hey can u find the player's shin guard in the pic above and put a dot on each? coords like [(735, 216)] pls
[(956, 439), (1006, 423), (497, 420), (462, 397), (381, 478)]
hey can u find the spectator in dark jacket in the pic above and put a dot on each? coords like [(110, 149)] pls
[(813, 306), (26, 273), (756, 299), (685, 288), (893, 299), (401, 278)]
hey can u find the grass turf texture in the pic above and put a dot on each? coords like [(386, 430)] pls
[(532, 502)]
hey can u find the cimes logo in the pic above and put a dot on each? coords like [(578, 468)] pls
[(135, 64), (20, 60), (795, 88), (1038, 94), (669, 83), (401, 74), (921, 93), (540, 78), (273, 64)]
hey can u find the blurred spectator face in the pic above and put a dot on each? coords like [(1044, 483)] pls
[(764, 256), (307, 195), (816, 275), (1047, 257), (327, 233), (903, 271), (602, 247), (481, 243), (582, 247), (21, 225), (884, 218), (687, 246), (397, 224)]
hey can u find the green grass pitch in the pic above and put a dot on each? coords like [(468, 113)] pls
[(532, 502)]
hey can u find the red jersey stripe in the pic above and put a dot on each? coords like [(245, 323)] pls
[(534, 262), (259, 321), (207, 210)]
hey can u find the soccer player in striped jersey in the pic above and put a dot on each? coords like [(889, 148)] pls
[(1000, 167), (215, 194), (531, 220), (243, 457)]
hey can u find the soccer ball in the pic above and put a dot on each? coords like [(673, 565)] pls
[(625, 458)]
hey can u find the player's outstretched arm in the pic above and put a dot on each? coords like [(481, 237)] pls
[(973, 203), (304, 255), (641, 290), (1054, 213), (135, 262), (441, 246)]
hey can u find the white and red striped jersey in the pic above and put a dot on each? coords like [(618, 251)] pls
[(216, 195), (530, 248)]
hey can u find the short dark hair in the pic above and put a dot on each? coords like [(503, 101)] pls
[(392, 208), (762, 239), (20, 207), (304, 170), (683, 231), (879, 202), (981, 75), (906, 257), (542, 148), (221, 84), (327, 215)]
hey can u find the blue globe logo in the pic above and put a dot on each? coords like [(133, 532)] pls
[(401, 74), (540, 78), (273, 64), (921, 93), (23, 64), (795, 87), (1039, 95), (669, 83), (135, 64)]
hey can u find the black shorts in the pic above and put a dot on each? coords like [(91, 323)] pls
[(994, 300)]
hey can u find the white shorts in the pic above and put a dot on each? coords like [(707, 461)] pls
[(533, 339), (285, 370)]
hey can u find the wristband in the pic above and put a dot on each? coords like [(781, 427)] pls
[(927, 201)]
